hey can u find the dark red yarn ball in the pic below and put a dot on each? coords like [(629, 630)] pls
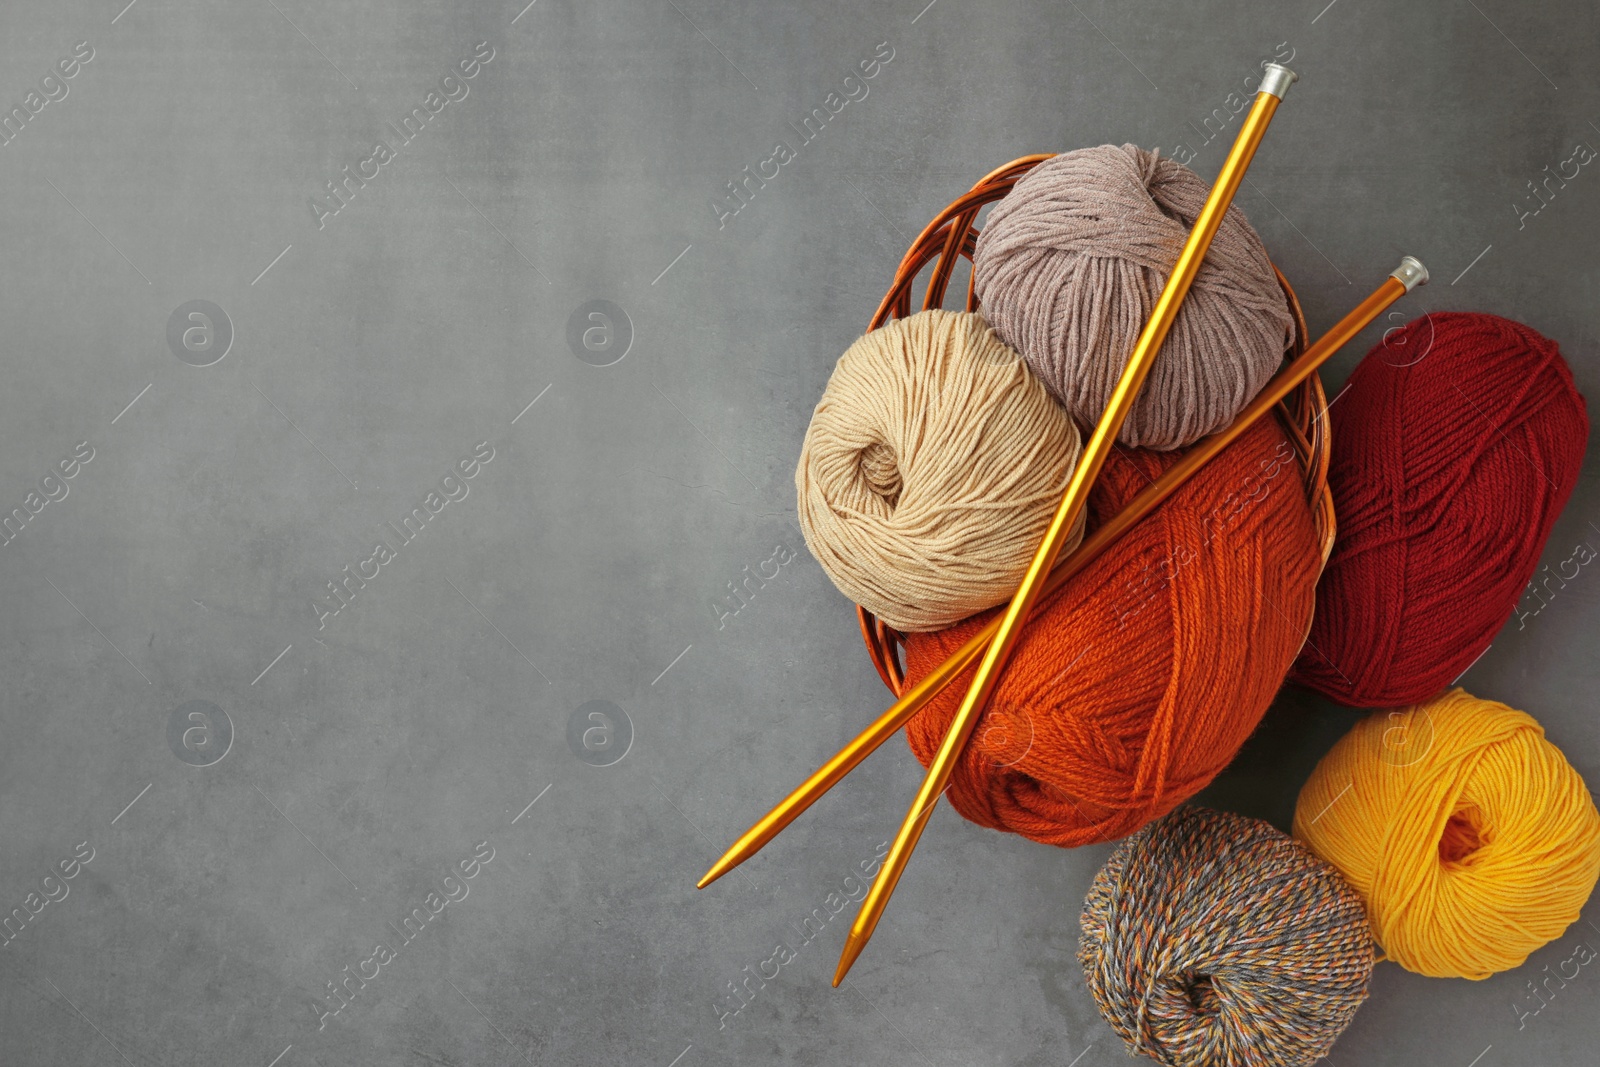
[(1454, 449)]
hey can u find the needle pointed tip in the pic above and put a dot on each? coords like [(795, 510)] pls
[(847, 958), (728, 862)]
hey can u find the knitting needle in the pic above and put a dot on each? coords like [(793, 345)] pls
[(1410, 274), (1275, 81)]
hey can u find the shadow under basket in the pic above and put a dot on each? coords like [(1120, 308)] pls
[(951, 237)]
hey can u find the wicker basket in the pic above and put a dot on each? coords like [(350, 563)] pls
[(952, 236)]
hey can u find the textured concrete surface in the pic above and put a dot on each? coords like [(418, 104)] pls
[(253, 791)]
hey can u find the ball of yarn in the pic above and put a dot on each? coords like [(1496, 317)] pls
[(1472, 839), (1214, 940), (1069, 267), (1455, 446), (1138, 681), (931, 467)]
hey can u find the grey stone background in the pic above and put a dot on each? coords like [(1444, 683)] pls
[(373, 753)]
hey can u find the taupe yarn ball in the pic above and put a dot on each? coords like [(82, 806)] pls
[(932, 465), (1069, 267)]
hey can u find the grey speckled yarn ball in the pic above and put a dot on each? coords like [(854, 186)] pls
[(1070, 265), (1215, 940)]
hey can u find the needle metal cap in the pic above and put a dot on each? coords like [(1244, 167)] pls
[(1410, 273), (1277, 79)]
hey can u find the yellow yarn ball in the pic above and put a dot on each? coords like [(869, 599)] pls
[(1470, 836)]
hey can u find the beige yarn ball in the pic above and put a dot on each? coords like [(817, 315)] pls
[(931, 467), (1068, 269)]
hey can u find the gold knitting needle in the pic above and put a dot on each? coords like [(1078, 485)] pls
[(1274, 83), (1410, 274)]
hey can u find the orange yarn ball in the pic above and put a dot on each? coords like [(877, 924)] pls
[(1136, 684)]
